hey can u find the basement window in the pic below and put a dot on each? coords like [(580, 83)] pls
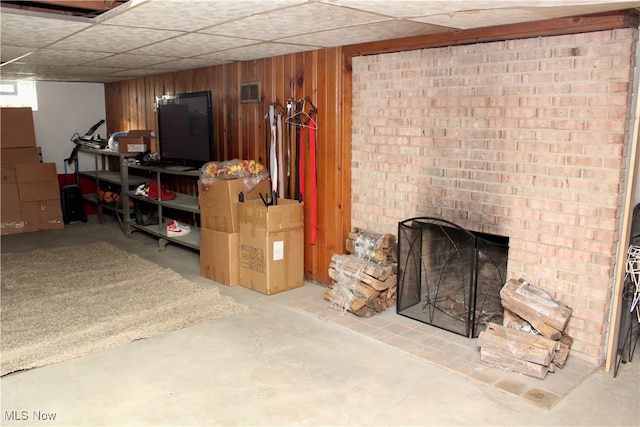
[(18, 94)]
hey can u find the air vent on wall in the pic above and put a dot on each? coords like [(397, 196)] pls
[(250, 92)]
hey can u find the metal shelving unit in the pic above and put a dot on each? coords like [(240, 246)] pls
[(182, 202), (101, 175)]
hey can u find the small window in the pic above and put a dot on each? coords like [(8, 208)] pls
[(18, 94)]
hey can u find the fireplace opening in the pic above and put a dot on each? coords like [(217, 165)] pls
[(450, 277)]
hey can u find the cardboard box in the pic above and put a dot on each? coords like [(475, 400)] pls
[(42, 215), (219, 204), (10, 215), (16, 128), (136, 141), (271, 245), (37, 181), (8, 174), (13, 156), (36, 191), (219, 256), (36, 172)]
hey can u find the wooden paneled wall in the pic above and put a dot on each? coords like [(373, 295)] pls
[(325, 77), (240, 127)]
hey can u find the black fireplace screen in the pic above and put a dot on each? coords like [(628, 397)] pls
[(450, 277)]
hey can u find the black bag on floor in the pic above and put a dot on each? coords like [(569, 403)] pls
[(146, 213), (71, 196)]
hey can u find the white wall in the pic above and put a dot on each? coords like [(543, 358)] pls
[(65, 109)]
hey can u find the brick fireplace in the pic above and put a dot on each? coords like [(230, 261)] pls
[(525, 138)]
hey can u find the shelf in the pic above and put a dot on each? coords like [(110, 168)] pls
[(167, 170), (191, 240), (112, 177), (183, 202), (93, 199), (186, 203)]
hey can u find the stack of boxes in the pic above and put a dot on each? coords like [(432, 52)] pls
[(271, 245), (30, 191), (219, 232), (249, 243)]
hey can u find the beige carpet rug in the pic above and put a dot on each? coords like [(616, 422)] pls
[(63, 303)]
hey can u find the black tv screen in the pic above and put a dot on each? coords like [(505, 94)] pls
[(185, 128)]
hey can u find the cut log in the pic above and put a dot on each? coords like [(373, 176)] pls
[(548, 316), (513, 321), (521, 345), (379, 248), (343, 298), (500, 358), (347, 267), (353, 263), (562, 354)]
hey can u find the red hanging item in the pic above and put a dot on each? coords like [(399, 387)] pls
[(301, 170)]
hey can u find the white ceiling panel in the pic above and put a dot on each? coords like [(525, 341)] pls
[(144, 37), (366, 33), (193, 15), (107, 38), (130, 61), (63, 57), (303, 19), (31, 30), (193, 44), (257, 51), (472, 18)]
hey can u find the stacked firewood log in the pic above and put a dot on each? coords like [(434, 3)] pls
[(364, 280), (531, 340)]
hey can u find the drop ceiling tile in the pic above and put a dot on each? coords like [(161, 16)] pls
[(193, 15), (17, 68), (131, 74), (64, 57), (366, 33), (422, 8), (257, 51), (186, 64), (35, 31), (489, 17), (87, 71), (503, 12), (7, 53), (192, 44), (126, 60), (109, 38), (303, 19), (408, 8)]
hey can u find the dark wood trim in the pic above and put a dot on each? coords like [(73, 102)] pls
[(549, 27)]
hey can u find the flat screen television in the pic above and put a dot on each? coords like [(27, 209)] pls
[(185, 128)]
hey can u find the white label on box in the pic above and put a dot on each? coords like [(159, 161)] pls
[(278, 250), (137, 148)]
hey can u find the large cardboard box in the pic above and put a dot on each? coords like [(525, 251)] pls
[(271, 245), (41, 215), (136, 141), (36, 172), (219, 256), (219, 204), (37, 181), (13, 156), (8, 174), (11, 216), (16, 128)]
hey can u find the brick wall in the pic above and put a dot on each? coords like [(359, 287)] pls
[(524, 138)]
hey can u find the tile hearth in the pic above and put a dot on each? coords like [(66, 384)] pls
[(450, 351)]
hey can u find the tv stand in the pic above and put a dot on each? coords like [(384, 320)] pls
[(183, 203)]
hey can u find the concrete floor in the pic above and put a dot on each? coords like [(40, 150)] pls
[(292, 360)]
